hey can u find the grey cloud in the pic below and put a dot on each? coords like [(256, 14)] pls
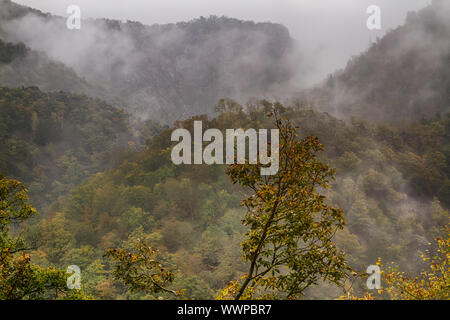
[(329, 31)]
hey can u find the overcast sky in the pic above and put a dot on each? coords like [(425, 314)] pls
[(331, 31)]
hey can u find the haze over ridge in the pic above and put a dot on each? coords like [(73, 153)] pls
[(330, 32)]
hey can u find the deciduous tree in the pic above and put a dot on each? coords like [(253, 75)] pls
[(19, 278), (289, 243)]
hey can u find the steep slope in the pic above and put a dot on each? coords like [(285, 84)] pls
[(169, 71), (404, 76), (21, 66), (192, 214), (52, 141)]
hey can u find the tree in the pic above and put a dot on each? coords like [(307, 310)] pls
[(289, 243), (19, 278), (433, 283), (140, 270)]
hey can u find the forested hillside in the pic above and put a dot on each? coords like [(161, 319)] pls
[(52, 141), (402, 77), (21, 66), (100, 170), (171, 72), (192, 213), (168, 72)]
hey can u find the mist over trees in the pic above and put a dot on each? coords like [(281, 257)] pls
[(403, 76), (85, 125), (168, 72)]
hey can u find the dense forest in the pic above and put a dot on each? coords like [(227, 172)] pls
[(55, 140), (403, 76), (168, 72), (21, 66), (391, 184), (101, 177)]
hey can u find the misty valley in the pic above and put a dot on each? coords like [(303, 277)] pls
[(199, 160)]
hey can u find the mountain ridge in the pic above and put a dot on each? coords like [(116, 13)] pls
[(403, 77), (168, 72)]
